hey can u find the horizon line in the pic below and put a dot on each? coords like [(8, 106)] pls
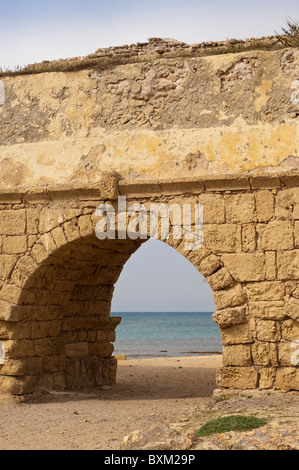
[(164, 311)]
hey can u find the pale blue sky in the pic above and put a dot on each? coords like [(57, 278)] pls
[(157, 278), (32, 31)]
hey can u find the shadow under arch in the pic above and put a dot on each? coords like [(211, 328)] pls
[(61, 335), (62, 332)]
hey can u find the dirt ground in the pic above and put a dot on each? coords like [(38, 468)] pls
[(150, 393)]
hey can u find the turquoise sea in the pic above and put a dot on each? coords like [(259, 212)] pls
[(166, 334)]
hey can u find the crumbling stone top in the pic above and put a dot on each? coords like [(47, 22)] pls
[(167, 45), (145, 51)]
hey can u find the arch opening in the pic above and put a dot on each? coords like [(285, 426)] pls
[(56, 303), (166, 306)]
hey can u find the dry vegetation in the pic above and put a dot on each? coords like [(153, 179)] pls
[(128, 56), (290, 36)]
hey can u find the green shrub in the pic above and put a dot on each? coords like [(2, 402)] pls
[(230, 423)]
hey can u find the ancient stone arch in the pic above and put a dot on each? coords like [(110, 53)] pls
[(162, 122), (58, 281)]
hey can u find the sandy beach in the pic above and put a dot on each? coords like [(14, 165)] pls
[(150, 395), (148, 392)]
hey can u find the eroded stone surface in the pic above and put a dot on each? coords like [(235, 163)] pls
[(169, 111)]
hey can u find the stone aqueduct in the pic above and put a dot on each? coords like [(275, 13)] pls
[(220, 130)]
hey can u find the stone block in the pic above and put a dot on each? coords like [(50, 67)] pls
[(292, 308), (91, 337), (13, 313), (271, 268), (85, 226), (264, 205), (265, 181), (248, 238), (240, 208), (197, 256), (238, 334), (71, 230), (224, 238), (245, 267), (48, 242), (213, 208), (59, 381), (267, 310), (10, 293), (287, 378), (285, 354), (25, 267), (18, 348), (101, 336), (46, 329), (230, 317), (35, 365), (76, 350), (287, 204), (108, 185), (46, 382), (290, 330), (231, 297), (50, 218), (296, 232), (268, 331), (78, 323), (53, 364), (264, 354), (292, 289), (7, 263), (15, 244), (288, 264), (265, 290), (15, 367), (237, 377), (59, 237), (111, 336), (36, 196), (32, 221), (209, 265), (267, 378), (275, 235), (101, 349), (48, 346), (13, 222), (39, 254), (237, 355), (227, 183), (15, 330), (17, 385), (220, 280)]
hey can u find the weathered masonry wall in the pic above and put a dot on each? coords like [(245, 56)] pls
[(160, 116), (169, 126), (57, 279)]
